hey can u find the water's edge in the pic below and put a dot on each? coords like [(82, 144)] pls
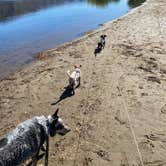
[(45, 54), (104, 26)]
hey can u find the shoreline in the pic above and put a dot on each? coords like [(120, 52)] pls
[(117, 116), (39, 55), (87, 34)]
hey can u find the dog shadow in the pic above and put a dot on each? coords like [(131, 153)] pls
[(97, 51), (68, 92)]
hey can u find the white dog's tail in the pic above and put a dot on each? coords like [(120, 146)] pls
[(68, 73)]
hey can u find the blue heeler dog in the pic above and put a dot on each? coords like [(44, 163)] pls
[(25, 141)]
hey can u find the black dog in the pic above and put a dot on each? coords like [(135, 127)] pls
[(27, 138), (100, 45), (102, 41)]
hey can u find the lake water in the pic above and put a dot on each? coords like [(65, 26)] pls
[(30, 26)]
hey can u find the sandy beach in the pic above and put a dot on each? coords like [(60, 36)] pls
[(117, 116)]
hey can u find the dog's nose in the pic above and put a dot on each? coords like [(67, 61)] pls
[(67, 128)]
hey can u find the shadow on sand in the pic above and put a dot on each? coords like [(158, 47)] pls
[(68, 92)]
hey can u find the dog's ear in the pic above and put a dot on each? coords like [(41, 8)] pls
[(56, 113)]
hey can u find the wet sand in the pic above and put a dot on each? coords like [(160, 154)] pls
[(117, 116)]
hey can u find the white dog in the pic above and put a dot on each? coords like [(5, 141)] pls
[(74, 77)]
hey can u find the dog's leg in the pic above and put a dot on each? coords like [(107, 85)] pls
[(43, 147), (95, 52), (34, 159), (78, 82), (72, 85), (73, 90), (103, 45)]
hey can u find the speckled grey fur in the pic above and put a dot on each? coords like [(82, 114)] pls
[(23, 142)]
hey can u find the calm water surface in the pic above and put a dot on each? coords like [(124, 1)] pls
[(30, 26)]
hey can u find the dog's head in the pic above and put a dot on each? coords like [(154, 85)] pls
[(56, 125), (77, 66), (103, 36)]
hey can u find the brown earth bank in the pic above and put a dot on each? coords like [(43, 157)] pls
[(118, 114)]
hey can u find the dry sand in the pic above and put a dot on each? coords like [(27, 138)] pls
[(118, 115)]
